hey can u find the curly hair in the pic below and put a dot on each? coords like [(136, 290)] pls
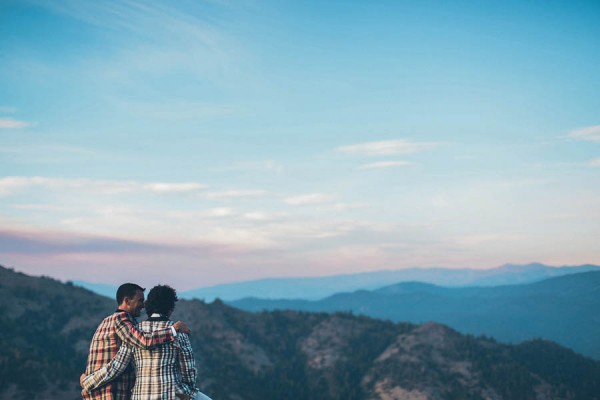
[(161, 299)]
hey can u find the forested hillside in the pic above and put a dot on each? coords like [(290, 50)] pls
[(562, 309), (278, 355)]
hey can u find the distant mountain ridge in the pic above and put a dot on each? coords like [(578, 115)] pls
[(315, 288), (562, 309), (47, 326), (319, 287)]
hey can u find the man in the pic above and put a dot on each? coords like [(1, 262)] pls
[(119, 328), (167, 372)]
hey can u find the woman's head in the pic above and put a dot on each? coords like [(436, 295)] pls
[(161, 300)]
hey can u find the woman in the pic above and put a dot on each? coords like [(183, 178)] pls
[(166, 372)]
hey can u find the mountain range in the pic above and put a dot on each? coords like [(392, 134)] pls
[(292, 355), (562, 309), (315, 288)]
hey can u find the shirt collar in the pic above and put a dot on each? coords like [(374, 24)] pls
[(157, 317), (118, 310)]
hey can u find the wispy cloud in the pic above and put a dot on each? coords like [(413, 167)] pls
[(183, 187), (219, 212), (10, 123), (134, 18), (590, 133), (228, 194), (308, 199), (260, 216), (187, 40), (481, 239), (49, 153), (386, 164), (348, 206), (594, 163), (43, 242), (263, 165), (13, 184), (386, 147), (42, 207)]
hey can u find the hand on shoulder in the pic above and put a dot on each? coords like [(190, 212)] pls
[(181, 327)]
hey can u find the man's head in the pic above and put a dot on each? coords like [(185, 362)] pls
[(161, 300), (130, 298)]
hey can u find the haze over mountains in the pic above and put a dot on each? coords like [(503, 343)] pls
[(314, 288), (288, 355), (563, 309), (510, 303)]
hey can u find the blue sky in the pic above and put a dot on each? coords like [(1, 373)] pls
[(202, 142)]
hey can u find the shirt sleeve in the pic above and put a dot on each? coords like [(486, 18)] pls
[(129, 334), (187, 364), (110, 371)]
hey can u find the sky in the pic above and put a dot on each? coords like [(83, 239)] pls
[(205, 142)]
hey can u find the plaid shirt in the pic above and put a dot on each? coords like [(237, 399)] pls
[(113, 331), (161, 373)]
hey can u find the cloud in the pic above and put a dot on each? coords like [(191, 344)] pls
[(43, 153), (188, 41), (13, 184), (184, 187), (41, 242), (258, 216), (348, 206), (386, 164), (10, 123), (132, 17), (108, 258), (219, 212), (590, 134), (594, 163), (386, 148), (486, 238), (308, 199), (235, 194), (264, 165), (42, 207)]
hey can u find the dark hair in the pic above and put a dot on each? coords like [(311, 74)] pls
[(127, 290), (161, 299)]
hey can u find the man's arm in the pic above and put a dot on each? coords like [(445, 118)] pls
[(110, 371), (129, 334), (187, 364)]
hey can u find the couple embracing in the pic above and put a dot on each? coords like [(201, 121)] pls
[(151, 360)]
